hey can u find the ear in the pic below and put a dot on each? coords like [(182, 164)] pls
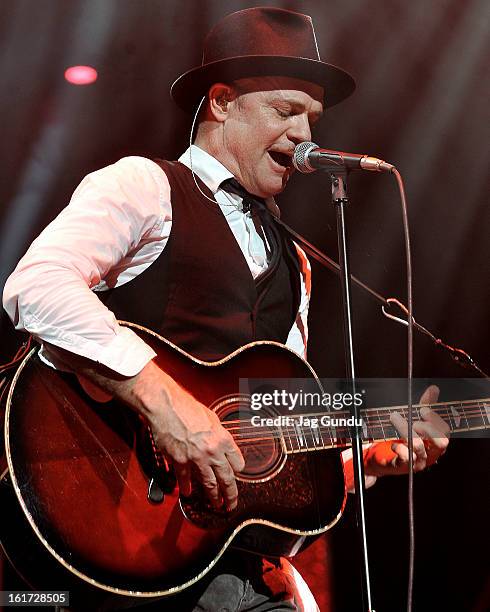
[(220, 96)]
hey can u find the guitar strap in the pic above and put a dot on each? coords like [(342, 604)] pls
[(458, 355), (326, 261)]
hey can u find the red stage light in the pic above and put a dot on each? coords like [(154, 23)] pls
[(81, 75)]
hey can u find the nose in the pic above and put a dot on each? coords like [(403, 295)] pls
[(299, 129)]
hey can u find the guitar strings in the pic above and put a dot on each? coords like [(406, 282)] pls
[(372, 420), (370, 423), (442, 409), (294, 434), (290, 433)]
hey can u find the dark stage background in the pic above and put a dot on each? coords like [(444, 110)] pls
[(421, 102)]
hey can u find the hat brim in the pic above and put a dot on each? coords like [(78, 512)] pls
[(191, 86)]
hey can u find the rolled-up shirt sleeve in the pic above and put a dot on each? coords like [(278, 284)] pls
[(116, 224)]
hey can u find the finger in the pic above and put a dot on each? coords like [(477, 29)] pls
[(235, 459), (233, 453), (430, 395), (436, 421), (210, 484), (420, 459), (435, 442), (227, 484), (401, 426), (400, 462), (431, 435), (183, 475)]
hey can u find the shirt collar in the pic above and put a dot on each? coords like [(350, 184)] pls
[(211, 172)]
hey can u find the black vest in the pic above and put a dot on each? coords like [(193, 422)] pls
[(199, 293)]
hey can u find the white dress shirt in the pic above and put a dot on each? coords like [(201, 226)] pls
[(117, 223)]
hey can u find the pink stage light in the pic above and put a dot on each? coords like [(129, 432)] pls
[(80, 75)]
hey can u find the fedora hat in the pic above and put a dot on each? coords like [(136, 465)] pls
[(261, 41)]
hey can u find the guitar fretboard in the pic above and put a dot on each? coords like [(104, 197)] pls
[(323, 430)]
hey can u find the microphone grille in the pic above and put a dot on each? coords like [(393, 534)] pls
[(300, 156)]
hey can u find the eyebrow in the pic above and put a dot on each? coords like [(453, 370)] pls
[(296, 105)]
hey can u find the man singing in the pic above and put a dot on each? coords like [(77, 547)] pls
[(190, 250)]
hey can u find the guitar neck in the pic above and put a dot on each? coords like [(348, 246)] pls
[(318, 431)]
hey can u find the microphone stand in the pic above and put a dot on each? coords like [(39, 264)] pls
[(338, 177)]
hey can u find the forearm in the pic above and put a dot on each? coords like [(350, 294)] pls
[(184, 429), (148, 392)]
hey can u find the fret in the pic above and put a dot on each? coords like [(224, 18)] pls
[(302, 435), (464, 415), (332, 431), (480, 408), (365, 430), (472, 420), (456, 417), (383, 435), (476, 414), (308, 434), (315, 431), (344, 434), (447, 418), (296, 442), (320, 433), (299, 433), (383, 431), (416, 410), (328, 433), (486, 411), (393, 433), (318, 436), (291, 447), (415, 415), (404, 412), (390, 432), (332, 435)]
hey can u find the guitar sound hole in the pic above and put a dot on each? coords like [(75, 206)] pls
[(260, 445)]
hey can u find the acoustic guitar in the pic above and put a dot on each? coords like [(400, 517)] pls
[(85, 479)]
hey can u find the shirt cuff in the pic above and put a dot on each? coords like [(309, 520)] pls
[(127, 354)]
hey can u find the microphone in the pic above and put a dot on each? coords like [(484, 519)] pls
[(308, 157)]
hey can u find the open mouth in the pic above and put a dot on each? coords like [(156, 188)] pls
[(282, 159)]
